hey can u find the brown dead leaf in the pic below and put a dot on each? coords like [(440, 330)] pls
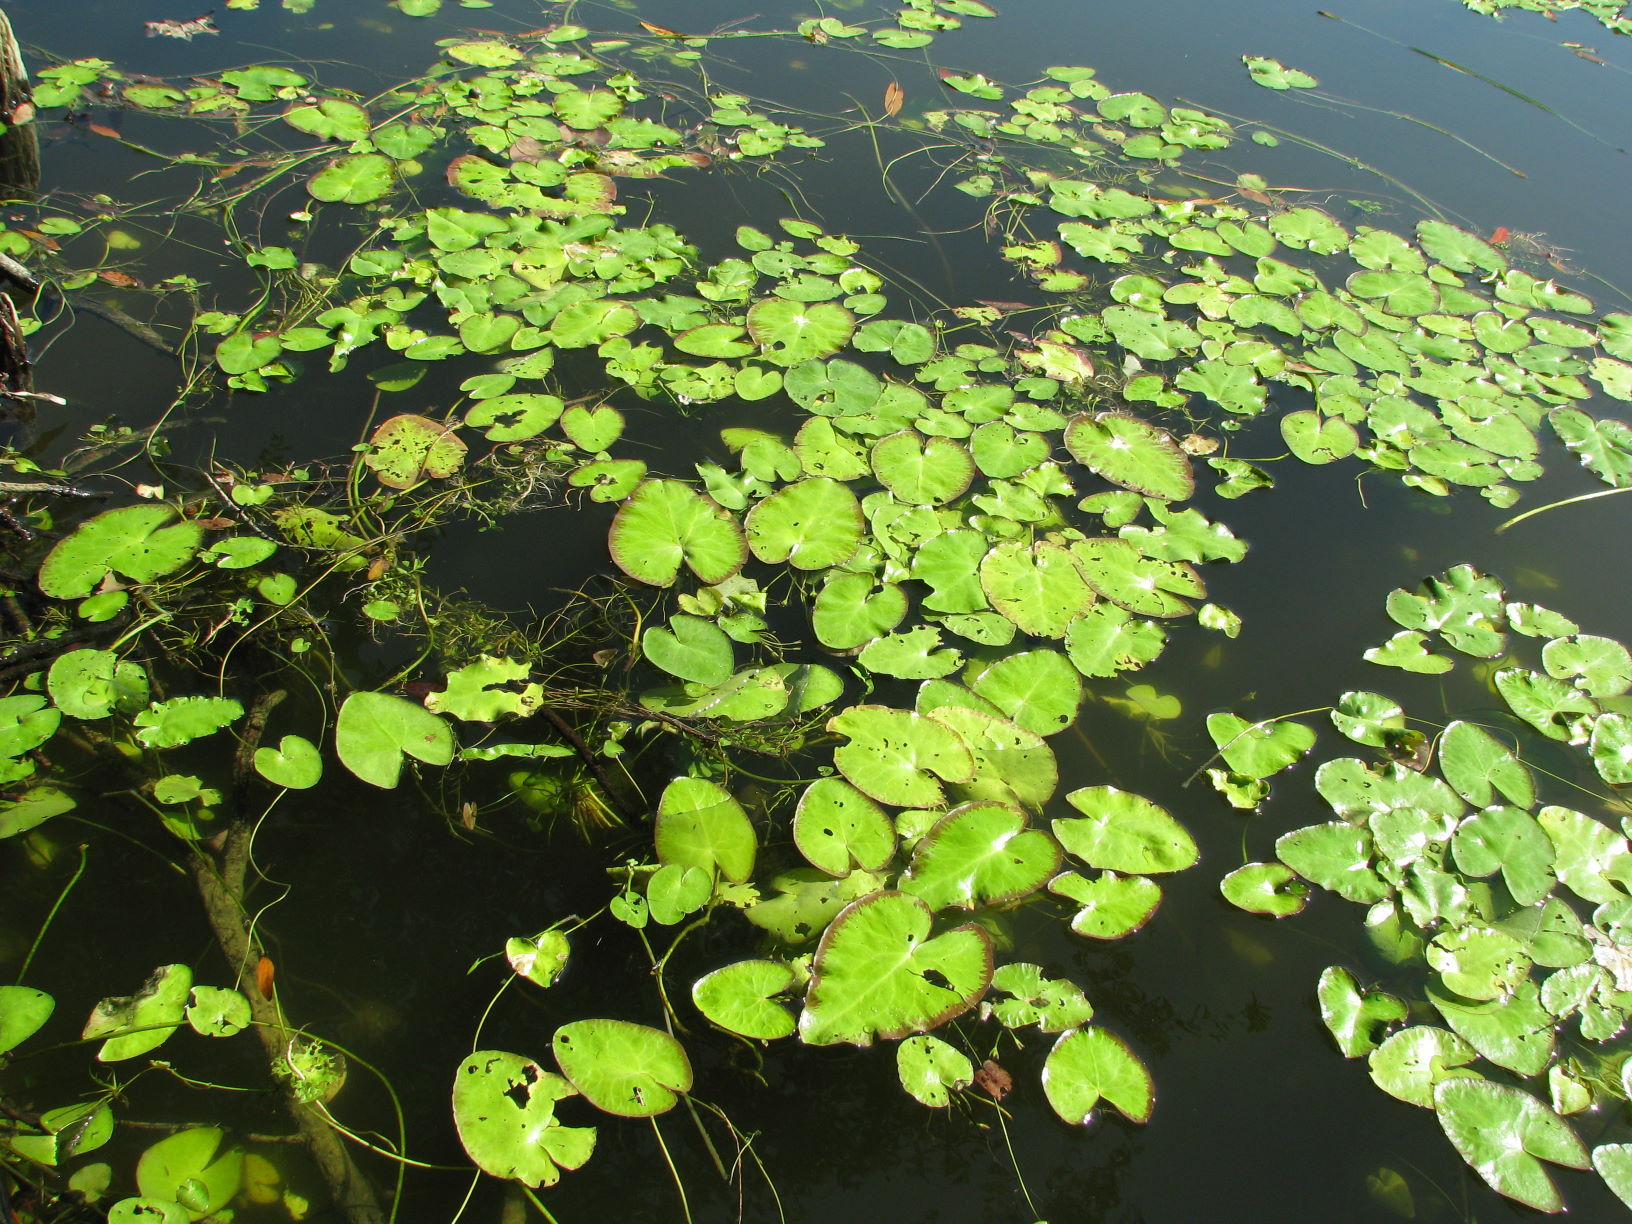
[(184, 30), (993, 1080), (1198, 444), (662, 31), (1257, 197), (122, 279), (21, 113), (377, 568), (894, 98), (526, 149), (100, 130), (265, 971), (467, 814), (215, 524)]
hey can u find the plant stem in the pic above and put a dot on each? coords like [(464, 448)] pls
[(679, 1186), (49, 918)]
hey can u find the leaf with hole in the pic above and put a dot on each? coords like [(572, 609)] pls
[(504, 1110), (812, 524), (141, 543), (879, 973), (837, 828)]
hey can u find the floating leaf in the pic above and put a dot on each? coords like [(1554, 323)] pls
[(1131, 453), (504, 1111), (1350, 1013), (192, 1167), (1479, 766), (922, 471), (359, 179), (739, 998), (1505, 1134), (931, 1070), (893, 753), (1410, 1062), (622, 1068), (141, 543), (23, 1012), (837, 827), (1265, 888), (1272, 74), (1090, 1064), (1112, 906), (1260, 749), (135, 1024), (879, 973), (1037, 586), (1052, 1004), (375, 730), (850, 612), (1124, 832), (980, 854), (181, 720), (665, 523), (699, 824), (540, 959), (1039, 690), (91, 684), (811, 524), (690, 648)]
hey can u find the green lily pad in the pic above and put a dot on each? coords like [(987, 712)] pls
[(1088, 1065), (141, 543), (1120, 573), (1599, 666), (836, 827), (294, 763), (376, 730), (700, 824), (504, 1110), (1111, 906), (1479, 766), (540, 959), (1039, 690), (622, 1068), (1510, 840), (1337, 856), (1410, 1062), (1515, 1032), (1603, 446), (1265, 888), (1611, 748), (1037, 586), (1504, 1134), (1272, 74), (1478, 962), (851, 611), (1369, 718), (740, 999), (1107, 639), (181, 720), (1316, 439), (359, 179), (895, 756), (23, 1012), (193, 1167), (1351, 1013), (135, 1024), (1558, 710), (1123, 832), (91, 684), (407, 449), (879, 973), (1406, 650), (792, 332), (1131, 453), (217, 1012), (923, 471), (1011, 764), (1614, 1164), (1260, 749), (1052, 1004), (592, 429), (665, 523), (811, 524), (690, 648), (980, 854), (931, 1070), (487, 690)]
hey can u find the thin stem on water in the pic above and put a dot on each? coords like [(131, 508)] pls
[(685, 1207), (51, 917)]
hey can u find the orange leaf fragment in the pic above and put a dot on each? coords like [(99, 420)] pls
[(993, 1080), (264, 972), (1500, 234), (894, 98), (663, 30), (100, 130)]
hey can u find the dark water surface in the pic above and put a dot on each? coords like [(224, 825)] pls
[(1257, 1117)]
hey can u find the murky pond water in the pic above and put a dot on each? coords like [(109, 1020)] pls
[(1424, 108)]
